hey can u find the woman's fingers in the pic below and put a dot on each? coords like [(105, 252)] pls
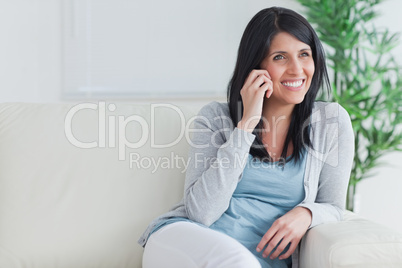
[(252, 93), (275, 244), (260, 82), (289, 228), (265, 239), (263, 83), (253, 75), (280, 248), (269, 90), (290, 251), (271, 245), (274, 241), (260, 86)]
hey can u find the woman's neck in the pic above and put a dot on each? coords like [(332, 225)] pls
[(277, 120), (277, 115)]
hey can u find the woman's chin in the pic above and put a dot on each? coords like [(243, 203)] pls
[(295, 101)]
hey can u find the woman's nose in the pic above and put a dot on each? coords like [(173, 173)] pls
[(295, 67)]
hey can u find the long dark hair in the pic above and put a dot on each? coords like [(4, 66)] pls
[(253, 49)]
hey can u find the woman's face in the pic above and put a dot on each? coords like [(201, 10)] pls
[(291, 66)]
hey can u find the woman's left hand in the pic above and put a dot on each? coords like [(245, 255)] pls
[(290, 228)]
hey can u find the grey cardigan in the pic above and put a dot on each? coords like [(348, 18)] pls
[(218, 156)]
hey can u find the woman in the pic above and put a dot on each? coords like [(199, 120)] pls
[(264, 167)]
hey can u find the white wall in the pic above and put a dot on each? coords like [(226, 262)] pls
[(30, 50), (379, 197), (30, 71)]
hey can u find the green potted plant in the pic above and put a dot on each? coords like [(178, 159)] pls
[(366, 80)]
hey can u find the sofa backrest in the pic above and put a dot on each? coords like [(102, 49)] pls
[(80, 182)]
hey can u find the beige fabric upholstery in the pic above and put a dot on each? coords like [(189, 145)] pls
[(352, 243), (65, 206)]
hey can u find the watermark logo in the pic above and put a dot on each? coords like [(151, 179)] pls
[(111, 133), (118, 124)]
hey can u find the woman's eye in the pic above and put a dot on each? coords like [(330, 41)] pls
[(305, 54), (278, 57)]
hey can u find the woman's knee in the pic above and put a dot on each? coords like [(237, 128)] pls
[(161, 255), (162, 250), (249, 261), (239, 257), (188, 245)]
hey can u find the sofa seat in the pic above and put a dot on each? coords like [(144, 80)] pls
[(80, 182)]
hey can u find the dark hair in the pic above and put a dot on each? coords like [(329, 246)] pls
[(253, 49)]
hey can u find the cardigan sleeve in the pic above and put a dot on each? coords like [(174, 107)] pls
[(336, 165), (217, 157)]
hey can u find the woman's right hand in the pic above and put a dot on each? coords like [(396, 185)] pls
[(258, 84)]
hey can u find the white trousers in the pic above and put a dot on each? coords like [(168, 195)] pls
[(188, 245)]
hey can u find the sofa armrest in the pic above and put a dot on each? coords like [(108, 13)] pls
[(354, 242)]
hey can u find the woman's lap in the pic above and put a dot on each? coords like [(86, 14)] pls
[(188, 245)]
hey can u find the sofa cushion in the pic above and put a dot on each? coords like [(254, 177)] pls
[(354, 242), (65, 205)]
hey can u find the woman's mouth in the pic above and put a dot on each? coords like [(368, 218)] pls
[(293, 85)]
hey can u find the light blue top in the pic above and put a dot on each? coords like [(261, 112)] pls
[(264, 193)]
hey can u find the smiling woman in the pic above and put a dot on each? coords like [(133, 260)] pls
[(291, 67), (239, 215)]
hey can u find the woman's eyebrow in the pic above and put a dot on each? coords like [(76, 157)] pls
[(284, 52)]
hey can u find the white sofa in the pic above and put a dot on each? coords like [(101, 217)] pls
[(80, 182)]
